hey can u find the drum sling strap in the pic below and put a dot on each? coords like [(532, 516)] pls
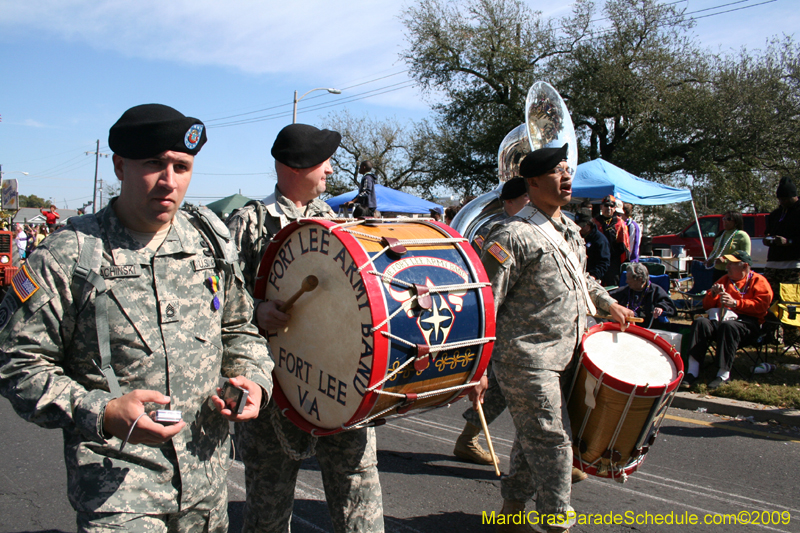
[(86, 269), (542, 225)]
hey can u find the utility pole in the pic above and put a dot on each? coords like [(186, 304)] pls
[(96, 165)]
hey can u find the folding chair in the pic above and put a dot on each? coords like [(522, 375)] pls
[(757, 349), (691, 301), (786, 309), (654, 269)]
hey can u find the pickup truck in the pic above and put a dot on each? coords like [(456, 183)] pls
[(755, 224)]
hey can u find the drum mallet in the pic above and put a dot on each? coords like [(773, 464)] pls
[(309, 284), (488, 438)]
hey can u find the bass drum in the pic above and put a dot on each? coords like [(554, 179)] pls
[(402, 318)]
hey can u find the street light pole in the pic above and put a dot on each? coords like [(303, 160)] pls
[(296, 99)]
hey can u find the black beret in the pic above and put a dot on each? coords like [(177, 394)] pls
[(304, 146), (786, 189), (542, 161), (513, 188), (150, 129)]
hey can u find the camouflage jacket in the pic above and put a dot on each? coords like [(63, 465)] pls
[(541, 312), (251, 240), (165, 335)]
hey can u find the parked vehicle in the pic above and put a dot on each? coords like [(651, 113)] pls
[(9, 260), (755, 224)]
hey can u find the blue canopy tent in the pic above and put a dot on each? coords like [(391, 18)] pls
[(390, 201), (598, 178)]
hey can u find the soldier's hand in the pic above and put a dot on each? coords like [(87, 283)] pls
[(252, 406), (122, 412), (621, 314), (780, 241), (477, 392), (268, 316)]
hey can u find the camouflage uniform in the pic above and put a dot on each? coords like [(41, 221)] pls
[(348, 460), (541, 315), (165, 335)]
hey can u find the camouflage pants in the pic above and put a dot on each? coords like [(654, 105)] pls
[(209, 516), (541, 457), (776, 276), (349, 466), (494, 403)]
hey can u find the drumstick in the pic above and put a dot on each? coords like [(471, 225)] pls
[(488, 439), (635, 319), (309, 284)]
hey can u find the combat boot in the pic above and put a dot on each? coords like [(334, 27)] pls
[(578, 475), (514, 512), (468, 449)]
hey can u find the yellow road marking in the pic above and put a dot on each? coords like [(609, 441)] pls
[(722, 425)]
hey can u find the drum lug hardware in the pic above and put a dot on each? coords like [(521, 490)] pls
[(423, 359), (411, 397), (637, 452), (424, 299), (375, 423), (613, 455), (396, 250)]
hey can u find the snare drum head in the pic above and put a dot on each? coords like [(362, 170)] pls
[(630, 358)]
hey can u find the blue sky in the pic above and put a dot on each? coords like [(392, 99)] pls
[(70, 68)]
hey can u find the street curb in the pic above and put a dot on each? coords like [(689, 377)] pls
[(725, 406)]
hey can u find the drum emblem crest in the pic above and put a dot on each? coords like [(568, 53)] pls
[(436, 322)]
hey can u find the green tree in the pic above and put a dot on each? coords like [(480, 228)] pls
[(32, 201), (477, 59)]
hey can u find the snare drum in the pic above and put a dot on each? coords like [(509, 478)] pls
[(402, 318), (620, 392)]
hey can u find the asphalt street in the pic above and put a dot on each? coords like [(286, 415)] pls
[(703, 465)]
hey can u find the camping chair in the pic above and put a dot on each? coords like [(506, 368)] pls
[(756, 349), (786, 309), (691, 300)]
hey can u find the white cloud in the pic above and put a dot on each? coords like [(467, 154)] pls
[(255, 36)]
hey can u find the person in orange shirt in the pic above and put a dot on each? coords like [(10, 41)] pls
[(738, 303)]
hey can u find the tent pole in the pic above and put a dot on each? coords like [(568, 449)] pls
[(699, 231)]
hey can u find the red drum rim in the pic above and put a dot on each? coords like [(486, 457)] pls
[(613, 473), (624, 386), (378, 312)]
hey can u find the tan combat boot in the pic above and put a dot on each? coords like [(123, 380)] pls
[(468, 449), (578, 475), (515, 518)]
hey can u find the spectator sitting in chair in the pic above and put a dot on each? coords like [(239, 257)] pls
[(647, 300), (737, 305)]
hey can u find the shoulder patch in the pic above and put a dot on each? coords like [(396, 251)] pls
[(498, 252), (479, 240), (23, 284)]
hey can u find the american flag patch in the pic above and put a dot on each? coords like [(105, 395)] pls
[(498, 252), (479, 240), (23, 284)]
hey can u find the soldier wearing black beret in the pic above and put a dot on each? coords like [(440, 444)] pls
[(272, 447), (115, 316)]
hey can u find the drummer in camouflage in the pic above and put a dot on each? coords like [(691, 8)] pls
[(136, 309), (536, 261), (272, 447)]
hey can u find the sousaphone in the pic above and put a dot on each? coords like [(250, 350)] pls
[(547, 124)]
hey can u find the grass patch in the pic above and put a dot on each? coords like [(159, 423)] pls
[(780, 388)]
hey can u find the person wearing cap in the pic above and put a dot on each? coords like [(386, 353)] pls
[(514, 197), (536, 262), (272, 447), (738, 304), (616, 231), (127, 312), (782, 236), (598, 253), (365, 201)]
